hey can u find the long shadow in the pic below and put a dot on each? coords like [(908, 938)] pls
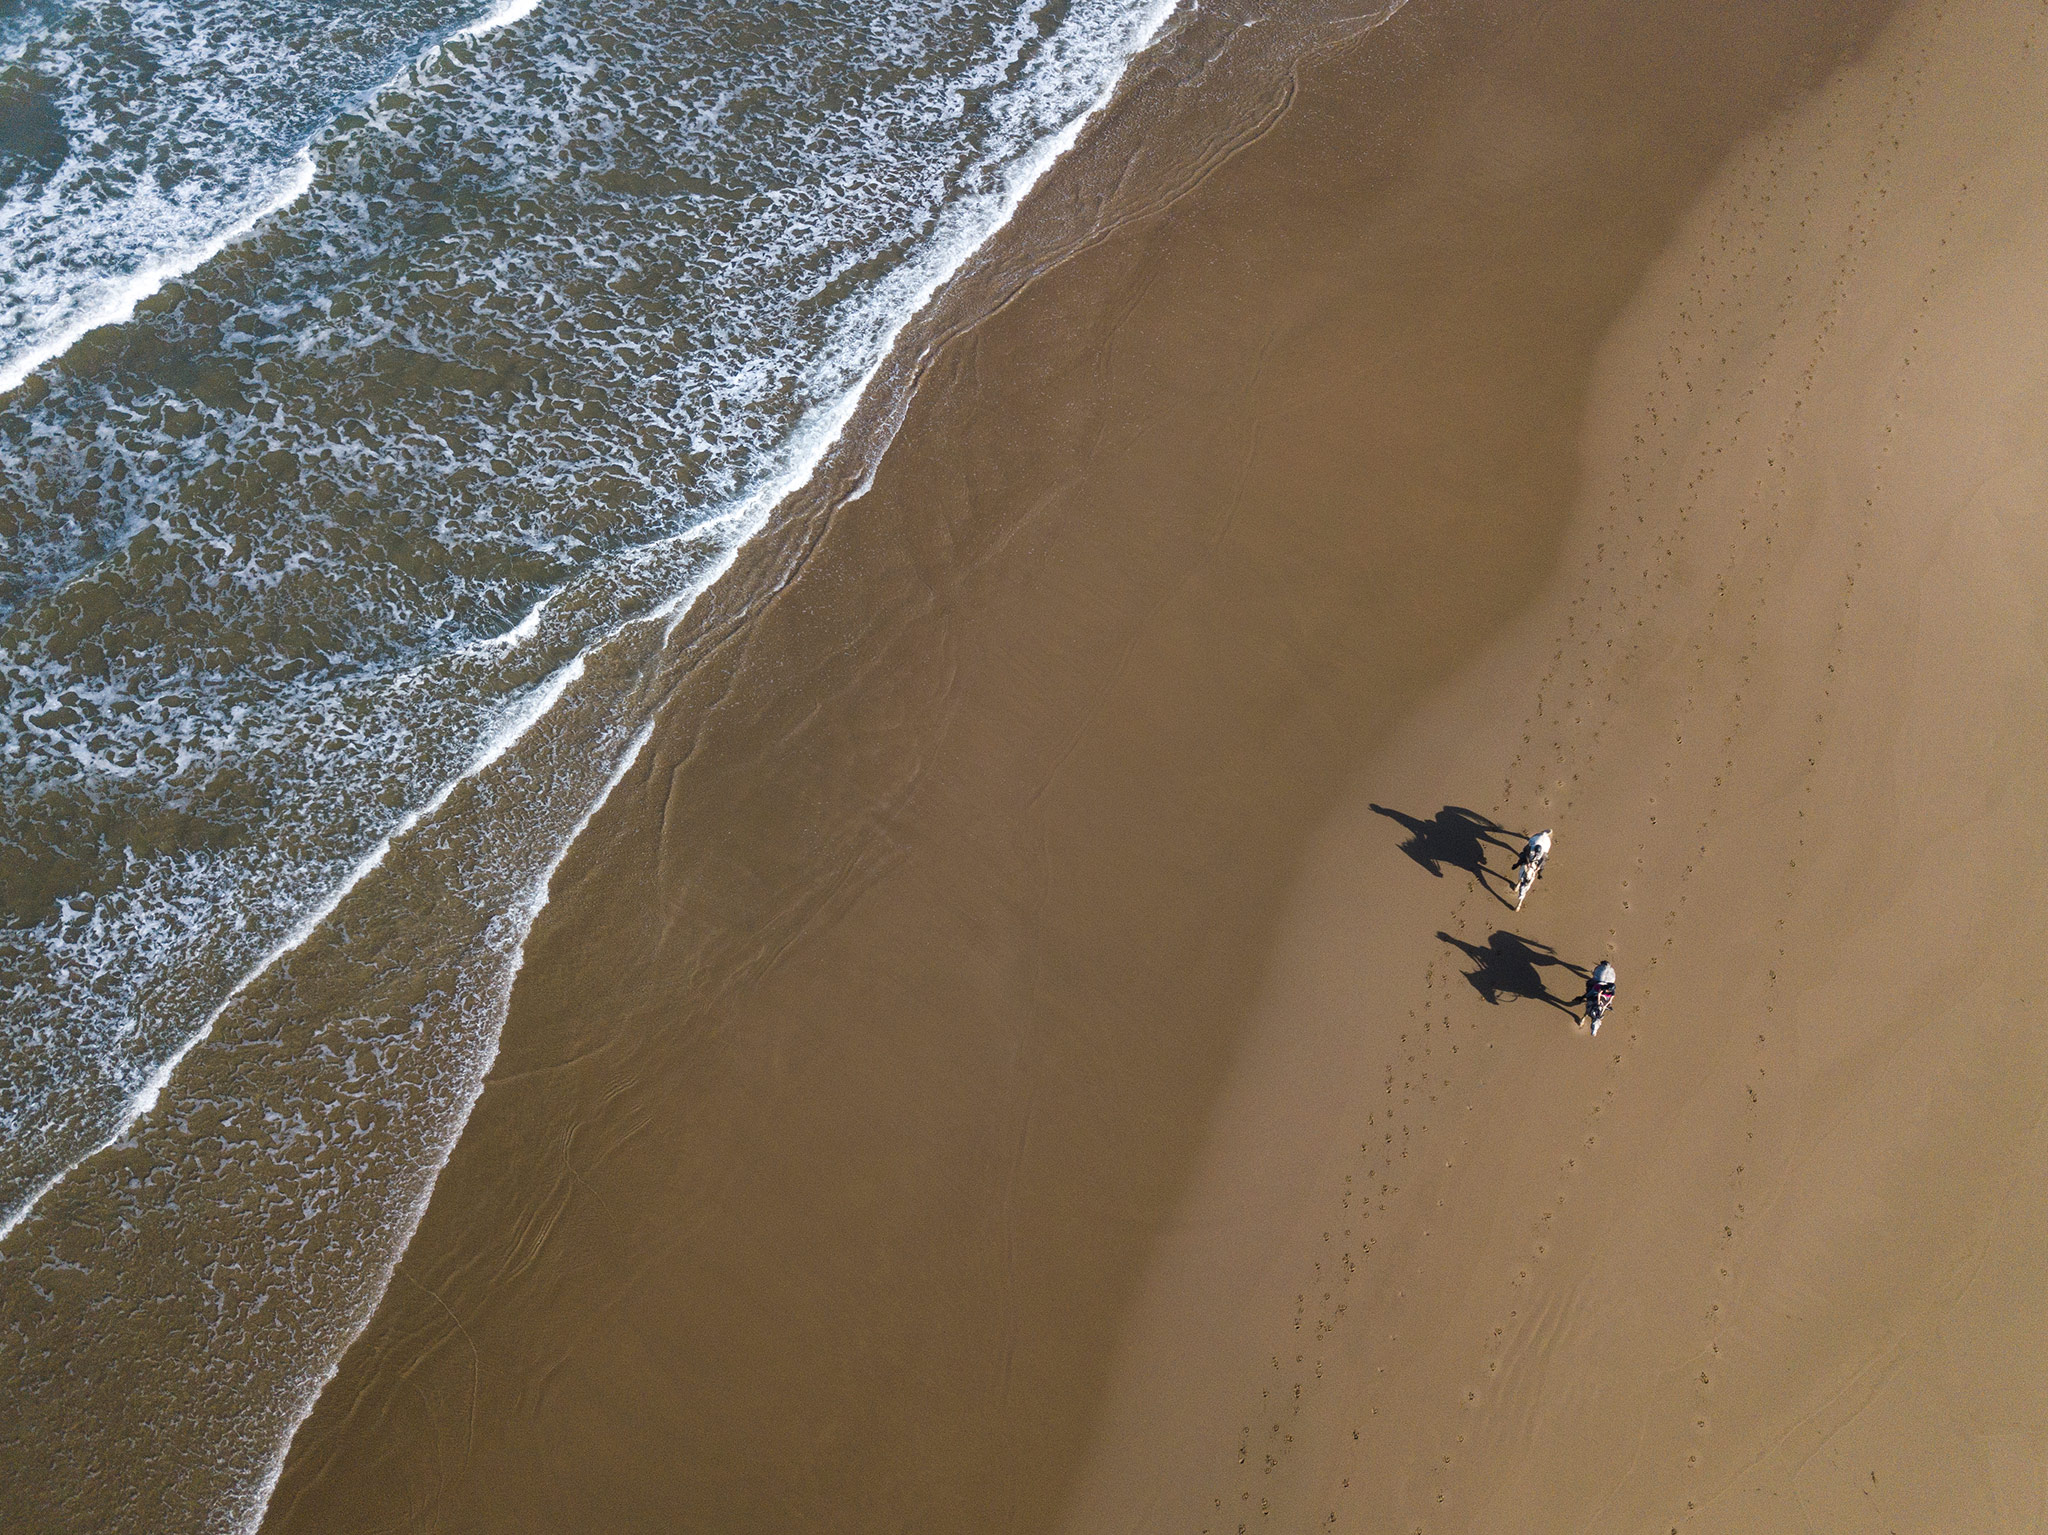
[(878, 1051), (1455, 838), (1509, 965)]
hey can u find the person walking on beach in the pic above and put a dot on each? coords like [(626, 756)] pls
[(1529, 867), (1599, 993)]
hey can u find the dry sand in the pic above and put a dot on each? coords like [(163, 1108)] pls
[(1769, 1255), (996, 1065)]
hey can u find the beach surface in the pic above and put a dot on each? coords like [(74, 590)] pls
[(1037, 1041)]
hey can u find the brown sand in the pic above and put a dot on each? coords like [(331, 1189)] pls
[(992, 1066)]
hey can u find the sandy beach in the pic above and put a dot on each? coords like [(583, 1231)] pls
[(1037, 1042)]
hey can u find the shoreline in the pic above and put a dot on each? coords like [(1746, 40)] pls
[(820, 450), (637, 674), (905, 692)]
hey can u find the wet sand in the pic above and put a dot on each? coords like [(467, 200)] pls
[(1025, 1049)]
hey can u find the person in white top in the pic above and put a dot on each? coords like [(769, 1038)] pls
[(1529, 867)]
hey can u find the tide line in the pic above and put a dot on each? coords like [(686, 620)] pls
[(808, 448), (530, 713), (537, 898), (118, 307), (808, 452)]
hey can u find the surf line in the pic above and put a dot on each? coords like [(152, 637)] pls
[(530, 712), (536, 899), (118, 307), (807, 451)]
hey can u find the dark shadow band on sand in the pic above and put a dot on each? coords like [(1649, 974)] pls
[(1454, 838), (873, 1026), (1509, 966)]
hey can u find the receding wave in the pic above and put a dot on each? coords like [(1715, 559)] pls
[(288, 550)]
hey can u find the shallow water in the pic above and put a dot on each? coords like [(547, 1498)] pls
[(286, 551), (335, 583)]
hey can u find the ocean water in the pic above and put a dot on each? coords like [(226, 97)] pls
[(499, 311), (384, 382)]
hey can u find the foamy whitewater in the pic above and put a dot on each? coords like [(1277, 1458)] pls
[(276, 548), (443, 355)]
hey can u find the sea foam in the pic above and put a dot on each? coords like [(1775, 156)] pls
[(337, 630)]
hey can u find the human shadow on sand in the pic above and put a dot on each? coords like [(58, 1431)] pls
[(1454, 837), (1509, 965)]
